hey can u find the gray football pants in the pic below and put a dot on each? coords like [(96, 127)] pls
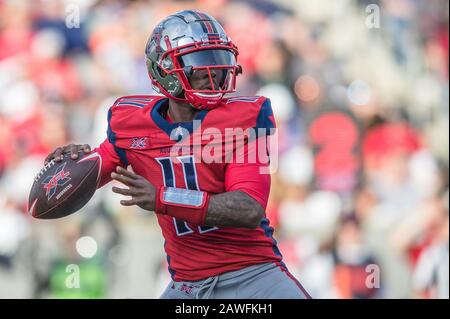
[(263, 281)]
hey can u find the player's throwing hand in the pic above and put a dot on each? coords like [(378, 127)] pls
[(73, 149), (142, 192)]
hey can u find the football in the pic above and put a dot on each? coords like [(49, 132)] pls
[(62, 188)]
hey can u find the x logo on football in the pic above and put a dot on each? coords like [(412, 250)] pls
[(51, 183)]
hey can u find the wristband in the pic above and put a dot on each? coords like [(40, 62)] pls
[(183, 204)]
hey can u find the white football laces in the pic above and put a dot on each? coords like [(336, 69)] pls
[(44, 169)]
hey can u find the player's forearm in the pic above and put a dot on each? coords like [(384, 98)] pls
[(230, 209), (234, 209)]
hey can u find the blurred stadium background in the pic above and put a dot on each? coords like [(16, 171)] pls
[(362, 183)]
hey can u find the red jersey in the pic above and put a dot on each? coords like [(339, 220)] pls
[(140, 135)]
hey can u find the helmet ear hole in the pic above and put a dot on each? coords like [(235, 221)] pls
[(160, 72), (154, 69)]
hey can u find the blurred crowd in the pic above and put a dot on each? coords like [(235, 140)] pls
[(359, 89)]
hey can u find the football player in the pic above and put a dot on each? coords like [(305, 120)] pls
[(212, 212)]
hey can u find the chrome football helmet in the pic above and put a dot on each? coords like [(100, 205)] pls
[(187, 42)]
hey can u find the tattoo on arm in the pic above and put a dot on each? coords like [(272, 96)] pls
[(234, 209)]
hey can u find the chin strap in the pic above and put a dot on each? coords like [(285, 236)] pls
[(183, 204)]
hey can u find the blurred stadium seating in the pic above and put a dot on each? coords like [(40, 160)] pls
[(363, 140)]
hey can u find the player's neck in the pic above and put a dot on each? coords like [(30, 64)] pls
[(181, 112)]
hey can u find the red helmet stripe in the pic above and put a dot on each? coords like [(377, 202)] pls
[(210, 26)]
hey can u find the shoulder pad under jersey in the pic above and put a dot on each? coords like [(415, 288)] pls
[(128, 118), (243, 112)]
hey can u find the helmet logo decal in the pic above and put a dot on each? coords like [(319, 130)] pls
[(156, 38)]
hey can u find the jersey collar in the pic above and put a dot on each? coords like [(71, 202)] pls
[(168, 127)]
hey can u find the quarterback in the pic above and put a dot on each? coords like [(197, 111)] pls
[(218, 242)]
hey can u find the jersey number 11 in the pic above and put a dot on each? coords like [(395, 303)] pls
[(191, 181)]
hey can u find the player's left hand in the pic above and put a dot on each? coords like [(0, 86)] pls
[(142, 192)]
